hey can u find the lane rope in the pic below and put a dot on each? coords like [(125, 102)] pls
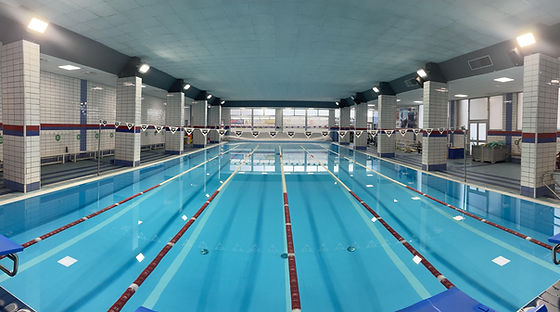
[(501, 227), (417, 255), (94, 214), (294, 286), (129, 292)]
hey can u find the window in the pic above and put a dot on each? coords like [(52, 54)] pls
[(315, 120), (478, 109), (496, 112), (241, 117), (294, 118), (264, 118)]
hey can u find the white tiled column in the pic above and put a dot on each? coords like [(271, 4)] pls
[(279, 119), (129, 103), (361, 125), (214, 117), (540, 107), (21, 115), (434, 146), (175, 117), (387, 107), (226, 117), (345, 124), (199, 120)]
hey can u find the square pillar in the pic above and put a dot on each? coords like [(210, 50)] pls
[(345, 125), (175, 117), (214, 118), (279, 119), (199, 116), (387, 107), (332, 125), (129, 111), (226, 117), (540, 108), (21, 115), (361, 125), (434, 146)]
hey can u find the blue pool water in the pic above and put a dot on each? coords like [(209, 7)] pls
[(243, 231)]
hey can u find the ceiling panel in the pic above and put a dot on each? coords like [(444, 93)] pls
[(293, 49)]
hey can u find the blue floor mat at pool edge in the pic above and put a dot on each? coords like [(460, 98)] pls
[(452, 299)]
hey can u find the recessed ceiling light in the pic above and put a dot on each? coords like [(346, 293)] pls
[(526, 40), (144, 68), (209, 96), (398, 100), (422, 73), (503, 79), (461, 95), (375, 89), (69, 67), (97, 88), (556, 81), (418, 102), (37, 25), (223, 102), (128, 84), (187, 86)]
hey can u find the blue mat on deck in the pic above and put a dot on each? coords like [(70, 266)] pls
[(451, 300)]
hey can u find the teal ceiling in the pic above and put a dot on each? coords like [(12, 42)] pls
[(314, 50)]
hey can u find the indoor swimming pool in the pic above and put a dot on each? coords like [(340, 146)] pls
[(235, 252)]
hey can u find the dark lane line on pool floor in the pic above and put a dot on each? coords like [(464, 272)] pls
[(441, 278), (501, 227), (129, 292)]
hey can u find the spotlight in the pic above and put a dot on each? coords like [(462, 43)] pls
[(209, 96), (144, 68), (526, 40), (187, 86), (375, 89), (422, 73), (38, 25), (223, 102), (337, 103)]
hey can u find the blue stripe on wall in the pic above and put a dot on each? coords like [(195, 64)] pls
[(83, 114), (508, 97)]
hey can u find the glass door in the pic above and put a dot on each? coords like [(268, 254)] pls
[(477, 132)]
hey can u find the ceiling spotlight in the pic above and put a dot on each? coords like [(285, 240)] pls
[(38, 25), (422, 73), (223, 102), (398, 100), (209, 96), (461, 95), (526, 40), (375, 89), (337, 103), (503, 79), (69, 67), (144, 68), (352, 97), (187, 86)]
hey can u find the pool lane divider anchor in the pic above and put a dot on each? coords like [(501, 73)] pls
[(503, 228), (294, 285), (129, 292), (69, 225), (437, 274)]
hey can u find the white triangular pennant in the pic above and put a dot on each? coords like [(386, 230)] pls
[(308, 134), (291, 134), (403, 132), (389, 133), (158, 129), (173, 130), (144, 127), (117, 124), (341, 133), (429, 131), (272, 134), (189, 131), (324, 133), (373, 133), (255, 133), (358, 133), (452, 130), (441, 130), (416, 131), (221, 132), (238, 133), (204, 131), (129, 125)]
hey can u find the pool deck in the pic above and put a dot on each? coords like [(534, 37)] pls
[(550, 298)]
